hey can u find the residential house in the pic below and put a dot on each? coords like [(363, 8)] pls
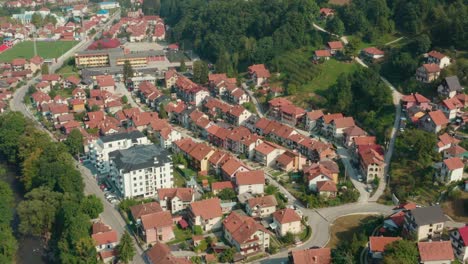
[(105, 239), (144, 209), (19, 64), (311, 256), (52, 79), (43, 87), (261, 207), (433, 121), (231, 167), (436, 252), (259, 74), (252, 182), (77, 105), (105, 83), (322, 55), (425, 222), (311, 119), (287, 221), (352, 132), (415, 99), (451, 170), (325, 122), (206, 214), (35, 63), (217, 187), (452, 108), (335, 46), (217, 160), (160, 253), (327, 189), (338, 126), (291, 114), (450, 87), (175, 199), (266, 153), (438, 58), (326, 12), (237, 115), (428, 73), (459, 239), (79, 93), (377, 245), (373, 53), (290, 161), (156, 227), (455, 151), (71, 82), (245, 234), (39, 98), (371, 161), (325, 170)]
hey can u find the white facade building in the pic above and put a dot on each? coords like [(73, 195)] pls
[(141, 170)]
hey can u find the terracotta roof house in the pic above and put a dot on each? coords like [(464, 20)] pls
[(451, 170), (326, 12), (322, 54), (206, 213), (377, 245), (373, 53), (428, 73), (415, 99), (160, 253), (259, 74), (252, 182), (311, 256), (144, 209), (327, 188), (245, 234), (438, 58), (325, 170), (157, 227), (287, 221), (175, 199), (335, 46), (435, 252), (433, 121), (216, 187), (104, 237), (311, 119), (372, 161), (262, 206), (232, 167), (106, 83)]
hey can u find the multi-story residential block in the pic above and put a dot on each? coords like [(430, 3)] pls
[(459, 238), (425, 223), (141, 170), (206, 214), (246, 235), (98, 152), (175, 199)]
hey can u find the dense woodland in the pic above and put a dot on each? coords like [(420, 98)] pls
[(54, 207)]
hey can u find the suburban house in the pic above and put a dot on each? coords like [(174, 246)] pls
[(290, 161), (175, 199), (217, 187), (160, 253), (266, 153), (259, 74), (352, 132), (377, 245), (451, 107), (105, 83), (286, 220), (459, 239), (245, 234), (144, 209), (428, 73), (327, 189), (335, 46), (104, 237), (157, 227), (438, 58), (231, 167), (372, 53), (451, 170), (206, 214), (415, 99), (433, 121), (326, 170), (311, 256), (425, 222), (261, 207), (450, 87), (322, 55), (311, 119), (326, 12), (338, 126), (446, 141), (371, 161), (439, 252), (252, 182)]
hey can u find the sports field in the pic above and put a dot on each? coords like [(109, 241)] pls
[(45, 49)]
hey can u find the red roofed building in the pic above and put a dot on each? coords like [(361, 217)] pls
[(311, 256), (287, 221), (433, 121), (105, 83), (104, 237), (39, 98), (266, 153), (327, 188), (459, 239), (338, 126), (451, 170), (175, 199), (216, 187), (428, 73), (311, 119), (416, 99), (373, 53), (325, 121), (157, 227), (53, 79), (326, 170), (231, 167), (259, 74), (435, 252), (206, 214), (438, 58), (372, 161), (252, 182), (245, 234), (261, 206), (335, 46), (452, 108), (326, 12), (161, 254), (322, 54), (377, 245)]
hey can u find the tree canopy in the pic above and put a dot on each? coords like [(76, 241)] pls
[(125, 248), (401, 251)]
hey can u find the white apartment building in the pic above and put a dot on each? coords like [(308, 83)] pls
[(98, 152), (141, 170)]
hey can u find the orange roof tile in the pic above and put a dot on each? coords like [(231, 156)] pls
[(250, 177), (435, 251), (378, 243), (207, 209), (286, 215)]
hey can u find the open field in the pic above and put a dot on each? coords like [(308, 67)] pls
[(46, 50), (345, 227), (458, 208)]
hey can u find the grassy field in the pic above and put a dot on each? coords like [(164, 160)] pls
[(344, 227), (47, 50), (458, 208), (385, 38), (67, 71)]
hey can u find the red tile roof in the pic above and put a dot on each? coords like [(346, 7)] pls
[(231, 166), (241, 228), (322, 53), (18, 62), (144, 209), (369, 140), (265, 148), (184, 194), (286, 215), (250, 177), (330, 117), (464, 234), (452, 103), (418, 98), (335, 45), (156, 220), (436, 54), (100, 227), (315, 114), (326, 186), (105, 238), (260, 70), (374, 51), (207, 209), (105, 80), (343, 122), (454, 163), (50, 77), (262, 201), (431, 68), (435, 251), (438, 117), (222, 185), (378, 243), (312, 256), (161, 254)]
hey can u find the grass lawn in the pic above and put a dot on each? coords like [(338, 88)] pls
[(458, 208), (67, 70), (385, 38), (181, 235), (46, 50), (65, 93), (343, 228), (179, 180)]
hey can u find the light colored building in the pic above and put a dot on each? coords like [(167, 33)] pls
[(459, 239), (372, 161), (266, 153), (245, 234), (206, 214), (451, 170), (438, 58), (252, 182), (261, 207), (157, 227), (287, 221), (141, 170), (105, 239), (428, 73), (425, 222), (176, 199)]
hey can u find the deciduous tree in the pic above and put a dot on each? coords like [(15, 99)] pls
[(125, 248)]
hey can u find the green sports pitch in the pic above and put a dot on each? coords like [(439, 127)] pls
[(45, 49)]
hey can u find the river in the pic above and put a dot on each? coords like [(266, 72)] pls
[(30, 249)]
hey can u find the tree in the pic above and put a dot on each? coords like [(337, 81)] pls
[(37, 20), (197, 230), (420, 45), (200, 72), (45, 68), (291, 89), (228, 255), (401, 251), (335, 25), (227, 194), (151, 7), (92, 206), (182, 67), (125, 248), (74, 142), (288, 238), (127, 70), (162, 111)]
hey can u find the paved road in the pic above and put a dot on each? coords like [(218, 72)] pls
[(253, 99)]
